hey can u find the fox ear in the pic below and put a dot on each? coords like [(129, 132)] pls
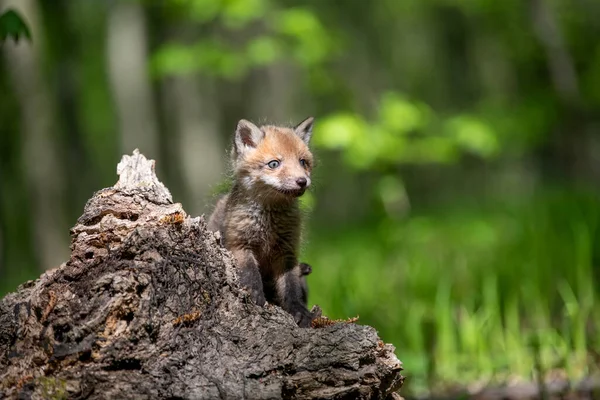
[(304, 129), (247, 135)]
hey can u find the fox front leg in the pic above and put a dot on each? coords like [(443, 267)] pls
[(249, 274), (303, 270), (290, 296)]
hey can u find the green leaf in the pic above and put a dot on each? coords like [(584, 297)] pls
[(209, 57), (312, 43), (298, 22), (264, 50), (401, 115), (474, 135), (12, 24), (203, 10), (238, 13), (174, 59), (339, 131)]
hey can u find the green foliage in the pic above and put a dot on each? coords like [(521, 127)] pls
[(406, 132), (13, 25), (480, 282), (311, 43), (291, 33), (211, 57), (473, 135), (264, 50)]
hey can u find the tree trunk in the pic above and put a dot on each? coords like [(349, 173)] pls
[(196, 122), (40, 154), (149, 306), (127, 44)]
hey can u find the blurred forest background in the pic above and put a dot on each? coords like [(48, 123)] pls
[(455, 205)]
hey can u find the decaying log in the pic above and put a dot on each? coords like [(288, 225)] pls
[(149, 306)]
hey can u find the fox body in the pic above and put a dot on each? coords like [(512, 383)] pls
[(260, 220)]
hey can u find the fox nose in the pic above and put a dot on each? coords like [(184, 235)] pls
[(301, 182)]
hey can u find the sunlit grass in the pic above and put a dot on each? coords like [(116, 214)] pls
[(470, 297)]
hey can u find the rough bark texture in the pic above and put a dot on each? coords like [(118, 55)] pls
[(149, 306)]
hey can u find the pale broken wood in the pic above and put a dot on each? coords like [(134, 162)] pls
[(149, 306), (136, 174)]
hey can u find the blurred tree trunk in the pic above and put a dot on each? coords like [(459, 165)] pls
[(100, 136), (195, 118), (40, 156), (128, 69), (274, 91), (559, 61), (62, 55), (190, 114), (571, 150), (2, 272), (17, 258)]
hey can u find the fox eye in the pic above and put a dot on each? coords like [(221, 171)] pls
[(273, 164), (303, 162)]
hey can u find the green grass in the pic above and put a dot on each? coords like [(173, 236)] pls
[(469, 296)]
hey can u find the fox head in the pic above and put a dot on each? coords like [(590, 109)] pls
[(273, 162)]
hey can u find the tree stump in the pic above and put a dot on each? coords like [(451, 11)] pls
[(149, 306)]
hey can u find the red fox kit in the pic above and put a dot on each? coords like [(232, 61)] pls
[(259, 219)]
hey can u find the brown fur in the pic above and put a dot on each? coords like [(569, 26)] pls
[(260, 220)]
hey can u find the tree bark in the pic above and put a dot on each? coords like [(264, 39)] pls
[(149, 306)]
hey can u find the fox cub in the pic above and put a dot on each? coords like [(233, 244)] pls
[(260, 220)]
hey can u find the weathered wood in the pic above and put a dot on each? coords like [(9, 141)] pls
[(149, 306)]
